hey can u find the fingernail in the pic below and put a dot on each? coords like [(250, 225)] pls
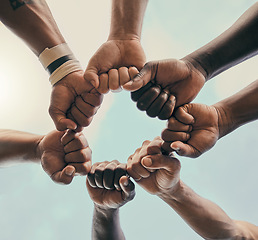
[(69, 171), (176, 149), (147, 162), (93, 83)]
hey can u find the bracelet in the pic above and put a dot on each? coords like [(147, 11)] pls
[(59, 61)]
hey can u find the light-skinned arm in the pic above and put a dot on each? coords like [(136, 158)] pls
[(182, 79), (32, 21), (160, 175), (119, 58), (61, 154), (109, 189), (195, 128)]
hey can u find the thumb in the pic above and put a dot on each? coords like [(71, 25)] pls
[(65, 176), (186, 150), (159, 161), (142, 78), (92, 77), (61, 122), (128, 188)]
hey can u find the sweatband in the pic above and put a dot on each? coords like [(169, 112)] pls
[(59, 61)]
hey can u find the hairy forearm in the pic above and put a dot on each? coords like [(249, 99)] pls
[(106, 224), (127, 19), (238, 109), (233, 46), (32, 21), (202, 215), (16, 146)]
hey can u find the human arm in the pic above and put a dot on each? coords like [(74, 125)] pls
[(33, 22), (109, 189), (184, 78), (195, 128), (117, 60), (62, 154), (160, 175)]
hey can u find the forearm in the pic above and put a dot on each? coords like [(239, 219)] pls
[(202, 215), (233, 46), (238, 109), (16, 146), (106, 224), (127, 19), (32, 22)]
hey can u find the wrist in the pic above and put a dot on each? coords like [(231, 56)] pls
[(225, 122), (38, 147), (173, 192), (121, 35), (105, 211), (196, 66)]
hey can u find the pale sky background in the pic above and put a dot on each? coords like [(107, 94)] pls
[(32, 207)]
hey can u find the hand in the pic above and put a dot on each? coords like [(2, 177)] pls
[(114, 64), (64, 154), (73, 102), (192, 130), (108, 185), (156, 173), (173, 83)]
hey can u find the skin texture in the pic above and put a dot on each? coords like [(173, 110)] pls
[(117, 60), (109, 188), (192, 130), (73, 100), (173, 82), (183, 79), (195, 128), (159, 174), (64, 155)]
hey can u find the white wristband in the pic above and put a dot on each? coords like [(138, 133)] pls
[(59, 61), (65, 69)]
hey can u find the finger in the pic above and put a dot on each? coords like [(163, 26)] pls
[(168, 108), (166, 148), (155, 108), (170, 136), (155, 146), (99, 174), (183, 116), (103, 84), (160, 161), (124, 76), (136, 170), (85, 108), (79, 117), (128, 188), (81, 169), (59, 106), (174, 125), (91, 175), (79, 156), (183, 149), (108, 175), (113, 79), (137, 94), (91, 76), (61, 121), (74, 141), (65, 176), (142, 78), (133, 71), (119, 172), (148, 98), (94, 99)]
